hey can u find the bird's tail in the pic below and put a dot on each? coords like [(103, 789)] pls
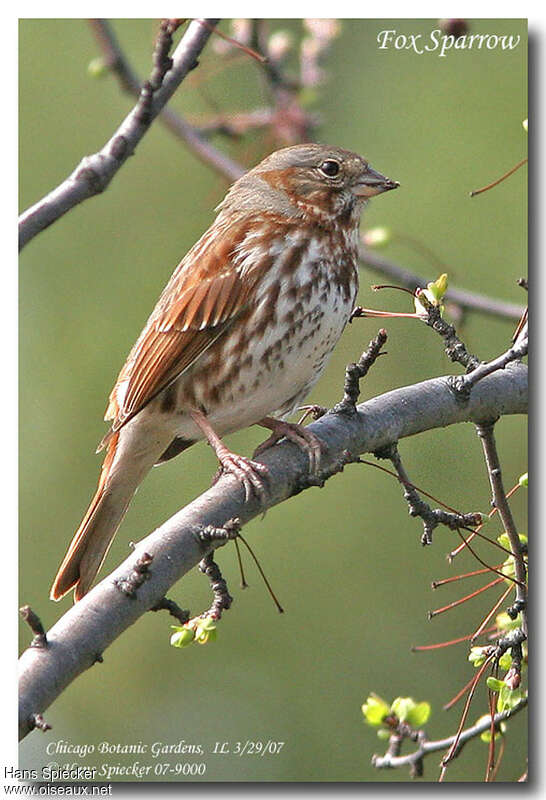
[(93, 538)]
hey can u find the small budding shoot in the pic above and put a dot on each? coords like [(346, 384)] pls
[(97, 68), (486, 735), (507, 698), (182, 637), (378, 714), (434, 294), (508, 568), (423, 300), (198, 629)]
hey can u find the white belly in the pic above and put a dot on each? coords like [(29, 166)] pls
[(267, 366), (287, 359)]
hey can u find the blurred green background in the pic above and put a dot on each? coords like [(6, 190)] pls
[(346, 560)]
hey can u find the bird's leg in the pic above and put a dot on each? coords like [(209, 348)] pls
[(296, 433), (250, 473)]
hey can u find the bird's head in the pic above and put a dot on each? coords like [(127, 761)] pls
[(312, 181)]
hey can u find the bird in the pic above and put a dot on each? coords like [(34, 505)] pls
[(239, 336)]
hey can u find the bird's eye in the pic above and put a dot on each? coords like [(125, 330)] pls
[(330, 168)]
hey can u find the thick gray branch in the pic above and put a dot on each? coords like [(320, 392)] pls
[(95, 172), (89, 627)]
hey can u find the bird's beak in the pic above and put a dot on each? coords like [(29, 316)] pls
[(372, 183)]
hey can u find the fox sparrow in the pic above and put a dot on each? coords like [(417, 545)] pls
[(242, 331)]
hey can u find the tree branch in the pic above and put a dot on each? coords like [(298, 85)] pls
[(485, 431), (471, 301), (464, 383), (79, 638), (95, 172), (181, 128), (426, 747)]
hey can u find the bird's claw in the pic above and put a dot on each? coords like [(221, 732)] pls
[(251, 474), (314, 411), (300, 436)]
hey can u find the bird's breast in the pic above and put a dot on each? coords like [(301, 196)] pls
[(277, 348)]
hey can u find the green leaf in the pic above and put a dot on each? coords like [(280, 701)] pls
[(505, 541), (419, 715), (494, 684), (436, 289), (505, 661), (524, 479), (434, 294), (486, 735), (505, 623), (477, 655), (206, 631), (375, 709), (402, 707), (508, 698), (183, 637)]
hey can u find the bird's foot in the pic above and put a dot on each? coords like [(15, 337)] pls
[(295, 433), (252, 474)]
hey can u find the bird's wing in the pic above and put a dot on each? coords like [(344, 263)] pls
[(209, 289)]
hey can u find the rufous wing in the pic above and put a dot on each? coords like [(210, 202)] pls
[(203, 298)]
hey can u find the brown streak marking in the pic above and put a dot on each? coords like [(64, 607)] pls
[(168, 398)]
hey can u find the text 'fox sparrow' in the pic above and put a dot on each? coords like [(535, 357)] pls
[(242, 331)]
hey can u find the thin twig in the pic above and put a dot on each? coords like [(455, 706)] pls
[(272, 594), (454, 749), (477, 557), (427, 747), (454, 347), (456, 697), (499, 180), (418, 508), (418, 648), (452, 578), (495, 608), (222, 599), (492, 731), (471, 301), (35, 624), (191, 135), (248, 50), (491, 514), (181, 614), (486, 434), (455, 520), (355, 372), (463, 384), (461, 600), (95, 172)]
